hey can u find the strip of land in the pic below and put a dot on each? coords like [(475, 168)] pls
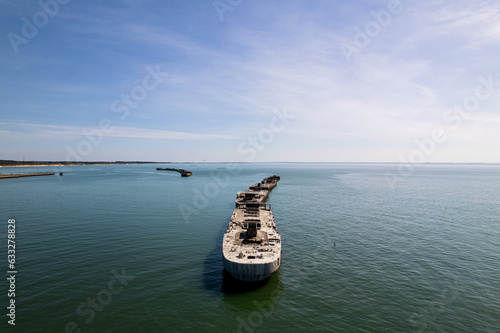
[(19, 175), (13, 163)]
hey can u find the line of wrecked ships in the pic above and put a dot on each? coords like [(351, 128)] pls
[(251, 247)]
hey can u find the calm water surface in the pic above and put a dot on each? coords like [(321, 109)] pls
[(131, 249)]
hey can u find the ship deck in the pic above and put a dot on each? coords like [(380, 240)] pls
[(252, 245)]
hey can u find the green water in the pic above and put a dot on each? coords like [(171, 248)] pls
[(131, 249)]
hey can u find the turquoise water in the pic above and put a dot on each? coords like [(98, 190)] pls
[(130, 249)]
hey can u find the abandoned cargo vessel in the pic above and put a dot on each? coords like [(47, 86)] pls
[(184, 173), (251, 247)]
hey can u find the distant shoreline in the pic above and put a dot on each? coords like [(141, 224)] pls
[(24, 164), (19, 164)]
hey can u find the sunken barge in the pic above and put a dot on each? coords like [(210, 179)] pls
[(184, 173), (251, 246), (19, 175)]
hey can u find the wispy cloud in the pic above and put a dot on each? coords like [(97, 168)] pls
[(64, 132), (225, 79)]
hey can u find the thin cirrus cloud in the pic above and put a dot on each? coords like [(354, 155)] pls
[(112, 131)]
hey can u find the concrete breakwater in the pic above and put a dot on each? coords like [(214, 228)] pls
[(184, 173), (251, 247), (18, 175)]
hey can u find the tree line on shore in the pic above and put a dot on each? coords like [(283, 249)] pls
[(14, 162)]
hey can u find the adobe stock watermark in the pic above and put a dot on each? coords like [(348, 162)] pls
[(453, 119), (424, 316), (310, 266), (223, 6), (265, 136), (121, 106), (264, 310), (30, 27), (296, 276), (363, 37), (96, 304), (249, 148)]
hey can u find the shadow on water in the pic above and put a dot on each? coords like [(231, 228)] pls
[(232, 286), (216, 279)]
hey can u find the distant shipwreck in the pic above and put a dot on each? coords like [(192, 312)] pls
[(184, 173), (19, 175)]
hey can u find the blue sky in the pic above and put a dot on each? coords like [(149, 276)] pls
[(359, 81)]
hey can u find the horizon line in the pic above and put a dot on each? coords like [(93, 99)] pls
[(33, 162)]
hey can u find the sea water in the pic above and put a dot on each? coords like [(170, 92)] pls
[(366, 248)]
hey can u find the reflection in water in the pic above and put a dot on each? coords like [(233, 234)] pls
[(232, 286)]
